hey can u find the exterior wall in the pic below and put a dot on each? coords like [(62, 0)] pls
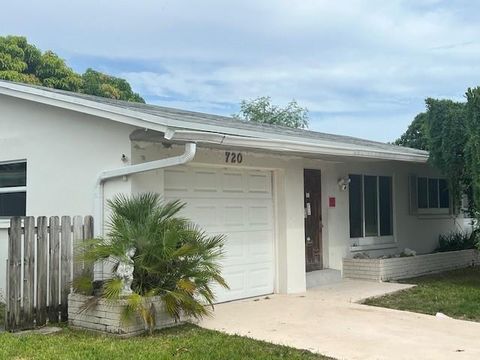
[(419, 233), (416, 232), (65, 152), (407, 267), (288, 197)]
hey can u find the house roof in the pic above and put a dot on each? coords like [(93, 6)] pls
[(194, 126)]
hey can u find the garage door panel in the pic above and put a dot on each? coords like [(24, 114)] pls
[(237, 203)]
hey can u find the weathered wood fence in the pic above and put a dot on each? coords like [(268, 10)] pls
[(40, 268)]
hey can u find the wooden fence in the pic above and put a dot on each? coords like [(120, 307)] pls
[(40, 268)]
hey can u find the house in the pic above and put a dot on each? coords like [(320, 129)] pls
[(291, 202)]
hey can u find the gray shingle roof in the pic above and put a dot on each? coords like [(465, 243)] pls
[(229, 123)]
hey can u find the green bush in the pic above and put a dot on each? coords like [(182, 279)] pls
[(172, 258), (457, 240)]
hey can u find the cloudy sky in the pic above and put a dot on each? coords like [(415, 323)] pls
[(362, 68)]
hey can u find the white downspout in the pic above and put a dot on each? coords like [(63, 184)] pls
[(188, 155)]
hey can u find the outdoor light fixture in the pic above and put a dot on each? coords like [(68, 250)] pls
[(343, 183)]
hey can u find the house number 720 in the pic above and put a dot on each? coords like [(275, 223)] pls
[(233, 157)]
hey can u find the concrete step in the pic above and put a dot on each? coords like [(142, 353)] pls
[(323, 277)]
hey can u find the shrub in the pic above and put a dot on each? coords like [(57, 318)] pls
[(457, 240), (172, 258)]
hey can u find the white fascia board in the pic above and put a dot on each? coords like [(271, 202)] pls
[(320, 148), (82, 106)]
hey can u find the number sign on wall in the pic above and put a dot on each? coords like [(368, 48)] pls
[(233, 157)]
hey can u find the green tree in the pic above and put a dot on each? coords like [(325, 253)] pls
[(262, 111), (172, 258), (99, 84), (25, 63), (445, 125), (472, 148), (415, 136)]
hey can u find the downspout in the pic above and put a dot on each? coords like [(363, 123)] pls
[(104, 176)]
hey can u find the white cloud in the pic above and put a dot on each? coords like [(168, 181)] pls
[(361, 67)]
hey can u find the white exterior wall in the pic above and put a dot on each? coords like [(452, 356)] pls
[(418, 233), (65, 152)]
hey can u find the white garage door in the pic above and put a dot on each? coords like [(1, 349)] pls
[(237, 203)]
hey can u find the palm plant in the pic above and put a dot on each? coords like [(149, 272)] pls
[(173, 258)]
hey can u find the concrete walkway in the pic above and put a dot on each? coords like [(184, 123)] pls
[(328, 321)]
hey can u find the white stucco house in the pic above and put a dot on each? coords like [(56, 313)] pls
[(291, 202)]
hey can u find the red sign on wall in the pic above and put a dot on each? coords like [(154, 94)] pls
[(331, 202)]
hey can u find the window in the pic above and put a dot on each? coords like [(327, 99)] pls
[(13, 194), (370, 206), (432, 193)]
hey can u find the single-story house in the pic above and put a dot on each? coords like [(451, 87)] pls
[(291, 202)]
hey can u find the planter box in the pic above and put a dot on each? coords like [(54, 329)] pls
[(106, 317), (407, 267)]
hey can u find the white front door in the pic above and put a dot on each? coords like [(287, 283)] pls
[(239, 204)]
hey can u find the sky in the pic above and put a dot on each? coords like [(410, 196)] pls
[(361, 68)]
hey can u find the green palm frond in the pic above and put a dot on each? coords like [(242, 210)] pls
[(174, 259)]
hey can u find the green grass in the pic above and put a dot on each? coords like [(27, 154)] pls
[(454, 293), (183, 342)]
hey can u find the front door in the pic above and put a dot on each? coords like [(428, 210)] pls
[(313, 219)]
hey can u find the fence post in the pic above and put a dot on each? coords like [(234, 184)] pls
[(29, 271), (14, 280), (42, 263), (66, 277), (54, 245)]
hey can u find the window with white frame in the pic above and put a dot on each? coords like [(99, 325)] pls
[(13, 188), (370, 206), (432, 193)]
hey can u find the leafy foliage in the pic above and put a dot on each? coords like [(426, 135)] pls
[(25, 63), (446, 131), (262, 111), (472, 148), (415, 136), (458, 240), (173, 258)]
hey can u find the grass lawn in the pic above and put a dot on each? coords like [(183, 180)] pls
[(183, 342), (454, 293)]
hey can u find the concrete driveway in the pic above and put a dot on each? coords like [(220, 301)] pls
[(328, 321)]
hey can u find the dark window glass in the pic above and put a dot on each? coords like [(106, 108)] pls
[(444, 194), (422, 193), (13, 175), (355, 206), (371, 209), (386, 208), (433, 193), (13, 204)]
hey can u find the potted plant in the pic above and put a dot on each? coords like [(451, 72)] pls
[(157, 259)]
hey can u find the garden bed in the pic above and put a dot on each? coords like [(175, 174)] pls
[(410, 266), (106, 317)]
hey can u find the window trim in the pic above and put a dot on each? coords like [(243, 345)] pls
[(378, 239), (13, 189), (432, 210)]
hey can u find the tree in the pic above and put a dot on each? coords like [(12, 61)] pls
[(99, 84), (415, 136), (445, 125), (472, 148), (262, 111), (172, 258), (25, 63)]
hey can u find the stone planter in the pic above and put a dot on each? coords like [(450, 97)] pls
[(407, 267), (106, 317)]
